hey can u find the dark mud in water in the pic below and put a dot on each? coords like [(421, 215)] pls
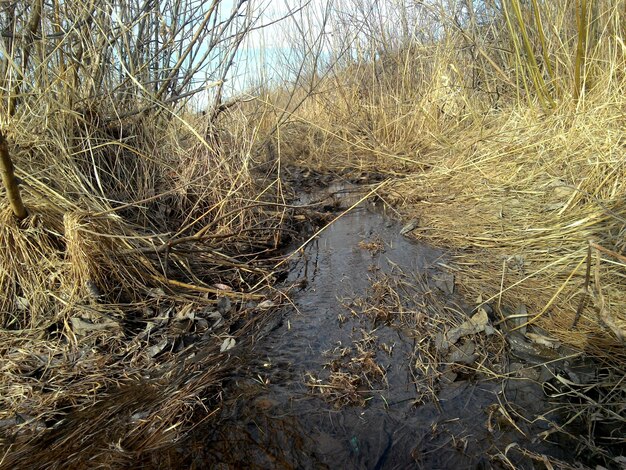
[(273, 418)]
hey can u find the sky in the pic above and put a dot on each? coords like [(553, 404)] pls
[(262, 55)]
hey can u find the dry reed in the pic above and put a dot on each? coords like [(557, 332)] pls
[(146, 230), (504, 127)]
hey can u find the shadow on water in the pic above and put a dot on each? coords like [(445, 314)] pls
[(273, 419)]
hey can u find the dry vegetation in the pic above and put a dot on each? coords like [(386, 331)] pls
[(140, 261), (502, 124), (408, 303), (507, 122)]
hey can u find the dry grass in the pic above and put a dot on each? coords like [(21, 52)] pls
[(523, 204), (415, 308), (108, 305), (353, 373), (506, 136), (147, 229), (518, 174), (504, 128)]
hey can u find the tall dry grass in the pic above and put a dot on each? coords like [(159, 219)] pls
[(515, 112), (503, 123), (141, 213)]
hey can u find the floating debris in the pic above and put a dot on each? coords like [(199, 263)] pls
[(410, 226)]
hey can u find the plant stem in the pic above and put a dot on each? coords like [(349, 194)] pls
[(10, 181)]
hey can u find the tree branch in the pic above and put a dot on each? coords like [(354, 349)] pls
[(10, 181)]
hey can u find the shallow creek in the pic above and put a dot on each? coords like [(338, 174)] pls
[(274, 418)]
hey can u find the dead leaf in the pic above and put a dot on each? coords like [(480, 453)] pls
[(223, 287), (217, 318), (228, 343), (543, 340), (476, 324), (445, 282), (224, 305), (185, 313), (158, 348), (518, 319), (266, 304), (464, 354), (82, 326)]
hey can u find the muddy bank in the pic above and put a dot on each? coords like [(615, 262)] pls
[(371, 367)]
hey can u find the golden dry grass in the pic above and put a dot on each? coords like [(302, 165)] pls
[(521, 202), (128, 244), (505, 141), (517, 174)]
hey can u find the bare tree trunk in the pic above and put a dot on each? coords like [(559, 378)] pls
[(10, 181)]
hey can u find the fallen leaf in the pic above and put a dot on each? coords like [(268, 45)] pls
[(223, 287), (158, 348), (185, 313), (266, 304), (224, 305), (476, 324), (217, 318), (81, 326), (543, 340), (228, 343), (445, 282), (518, 319), (464, 354)]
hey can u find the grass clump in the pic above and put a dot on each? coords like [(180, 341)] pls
[(140, 259), (502, 127)]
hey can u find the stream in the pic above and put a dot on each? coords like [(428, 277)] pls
[(285, 407)]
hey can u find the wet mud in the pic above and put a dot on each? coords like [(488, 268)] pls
[(287, 406)]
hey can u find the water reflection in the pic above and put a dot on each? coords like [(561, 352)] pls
[(272, 420)]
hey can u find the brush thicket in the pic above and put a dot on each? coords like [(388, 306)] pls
[(138, 208)]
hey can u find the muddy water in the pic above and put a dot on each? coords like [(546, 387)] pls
[(274, 419)]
